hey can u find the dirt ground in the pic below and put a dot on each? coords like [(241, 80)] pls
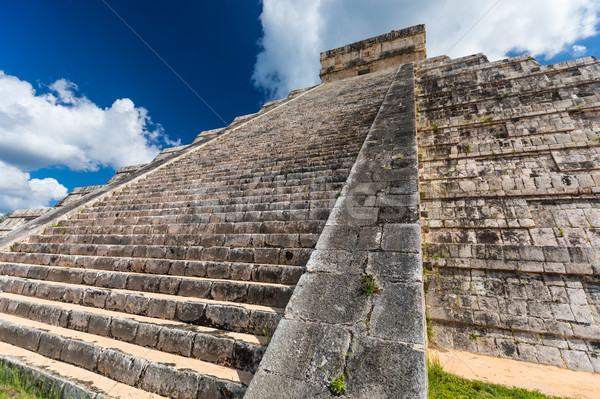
[(546, 379)]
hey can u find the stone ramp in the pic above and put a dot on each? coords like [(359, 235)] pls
[(357, 317), (509, 196), (174, 280)]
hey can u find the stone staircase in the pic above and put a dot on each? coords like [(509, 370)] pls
[(174, 282)]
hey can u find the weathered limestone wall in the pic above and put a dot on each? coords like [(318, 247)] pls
[(510, 207), (19, 218), (374, 54), (331, 327)]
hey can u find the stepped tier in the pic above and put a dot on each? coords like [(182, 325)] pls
[(509, 194)]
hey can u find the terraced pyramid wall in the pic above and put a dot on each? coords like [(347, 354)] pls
[(510, 207)]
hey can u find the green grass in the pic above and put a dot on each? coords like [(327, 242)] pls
[(443, 385), (369, 286), (338, 387), (13, 385)]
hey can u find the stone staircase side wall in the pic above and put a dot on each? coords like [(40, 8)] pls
[(19, 218), (333, 329)]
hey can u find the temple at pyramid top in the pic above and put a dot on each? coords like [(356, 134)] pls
[(391, 49)]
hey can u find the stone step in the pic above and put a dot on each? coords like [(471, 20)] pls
[(251, 180), (259, 272), (321, 177), (323, 191), (265, 294), (236, 317), (70, 381), (188, 240), (95, 213), (270, 202), (175, 203), (153, 371), (283, 256), (294, 215), (287, 160), (284, 187), (193, 215), (237, 350), (278, 172), (275, 227)]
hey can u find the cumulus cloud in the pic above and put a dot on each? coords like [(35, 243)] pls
[(19, 191), (61, 127), (579, 50), (296, 31)]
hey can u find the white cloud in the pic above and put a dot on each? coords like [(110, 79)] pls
[(579, 50), (64, 128), (19, 191), (296, 31)]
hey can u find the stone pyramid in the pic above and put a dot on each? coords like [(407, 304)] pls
[(312, 248)]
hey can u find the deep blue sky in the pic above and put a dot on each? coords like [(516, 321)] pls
[(211, 45)]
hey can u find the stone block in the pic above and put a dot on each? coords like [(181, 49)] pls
[(212, 349), (306, 351), (268, 295), (79, 320), (395, 266), (247, 356), (331, 298), (401, 238), (267, 385), (527, 352), (136, 304), (228, 317), (80, 353), (556, 254), (190, 311), (209, 388), (338, 237), (161, 308), (147, 335), (120, 366), (549, 355), (50, 345), (124, 329), (116, 301), (507, 348), (337, 261), (385, 369), (167, 381), (577, 360), (227, 291), (176, 341), (407, 325), (99, 325)]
